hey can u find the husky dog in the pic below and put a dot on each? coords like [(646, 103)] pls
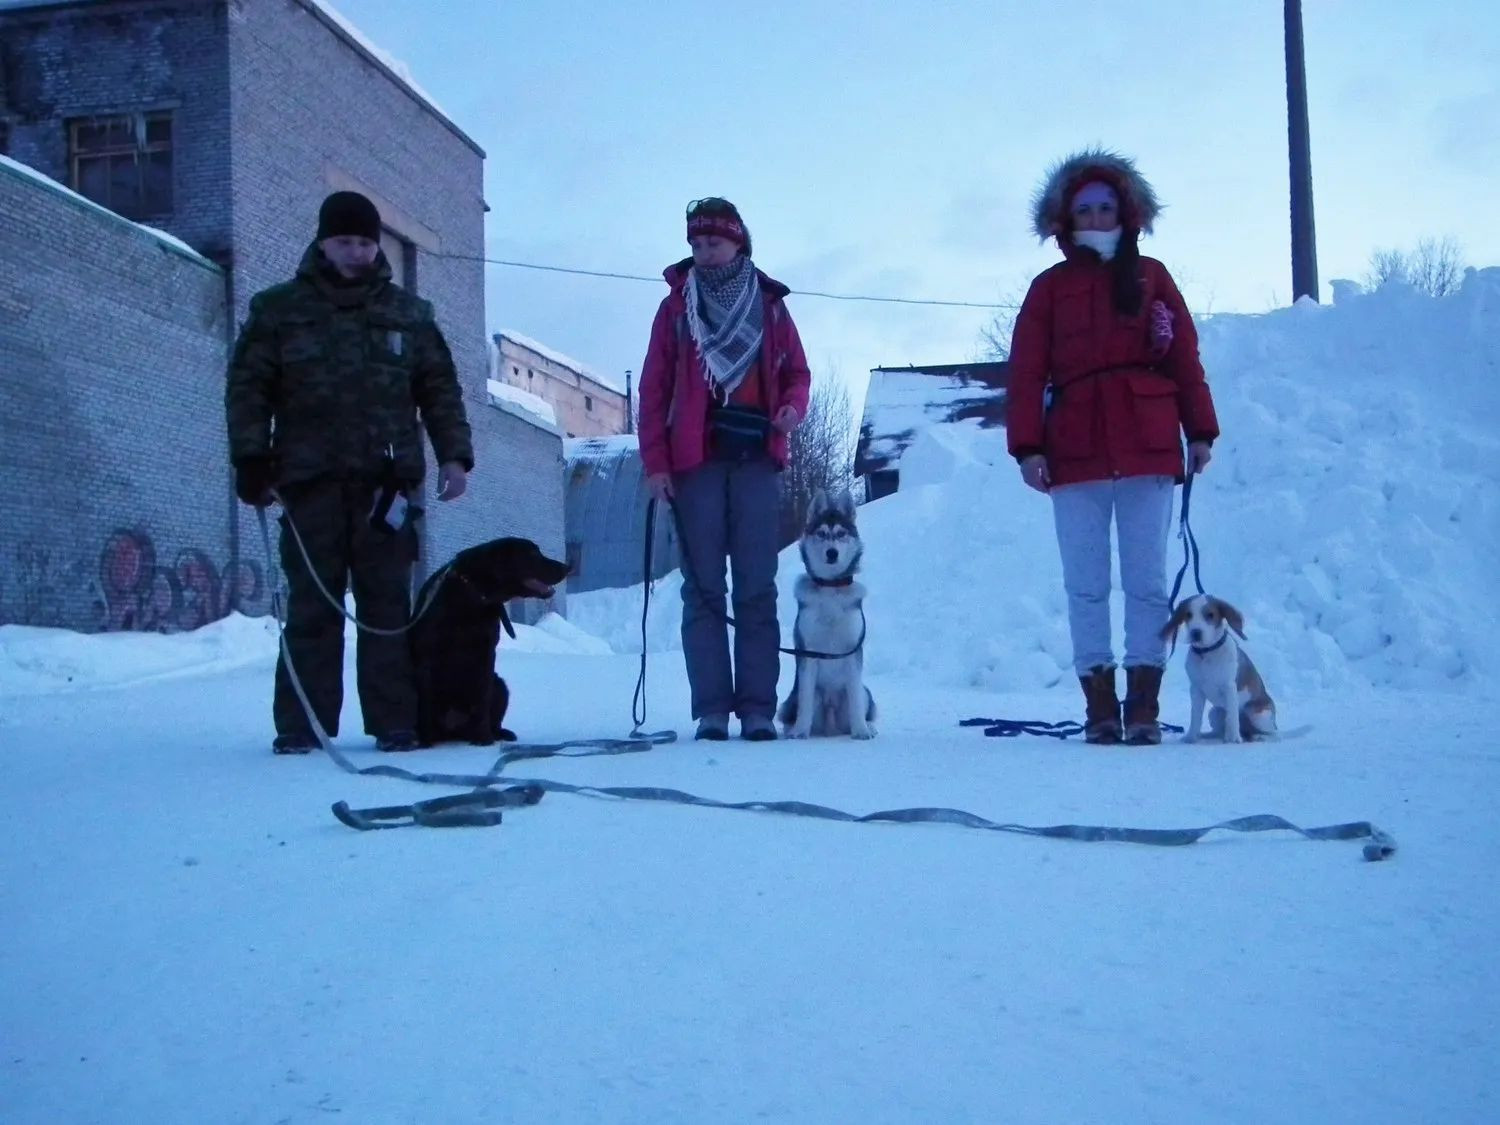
[(829, 694)]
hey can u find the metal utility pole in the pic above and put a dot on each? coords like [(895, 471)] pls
[(629, 404), (1304, 234)]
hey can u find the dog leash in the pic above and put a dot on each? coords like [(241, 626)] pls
[(1014, 728), (1189, 545), (688, 577)]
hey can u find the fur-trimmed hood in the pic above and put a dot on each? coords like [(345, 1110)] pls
[(1049, 205)]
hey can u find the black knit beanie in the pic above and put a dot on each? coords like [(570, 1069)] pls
[(348, 212)]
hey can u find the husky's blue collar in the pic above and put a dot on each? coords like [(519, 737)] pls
[(846, 580)]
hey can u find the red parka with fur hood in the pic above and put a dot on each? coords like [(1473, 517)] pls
[(675, 399), (1090, 387)]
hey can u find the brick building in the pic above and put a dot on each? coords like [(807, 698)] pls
[(223, 124), (585, 403)]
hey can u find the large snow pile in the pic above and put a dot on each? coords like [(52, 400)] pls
[(1352, 512)]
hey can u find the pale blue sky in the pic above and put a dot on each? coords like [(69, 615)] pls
[(891, 148)]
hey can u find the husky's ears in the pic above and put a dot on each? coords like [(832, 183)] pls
[(1232, 617), (1176, 621), (819, 504), (843, 503)]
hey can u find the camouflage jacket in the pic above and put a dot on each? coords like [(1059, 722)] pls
[(326, 378)]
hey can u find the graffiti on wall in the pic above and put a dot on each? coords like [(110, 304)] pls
[(130, 588), (140, 594)]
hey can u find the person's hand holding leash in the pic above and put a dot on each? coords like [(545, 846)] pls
[(1198, 456), (787, 419), (660, 486)]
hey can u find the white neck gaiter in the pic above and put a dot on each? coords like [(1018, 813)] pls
[(1102, 242)]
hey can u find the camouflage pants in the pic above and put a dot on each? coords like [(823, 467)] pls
[(333, 518)]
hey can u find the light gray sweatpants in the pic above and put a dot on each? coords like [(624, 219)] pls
[(1142, 511), (730, 509)]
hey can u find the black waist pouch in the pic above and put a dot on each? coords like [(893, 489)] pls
[(736, 433)]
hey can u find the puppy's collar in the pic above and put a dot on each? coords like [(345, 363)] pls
[(846, 580), (1217, 644)]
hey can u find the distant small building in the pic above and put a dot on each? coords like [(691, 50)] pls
[(901, 401), (586, 404), (606, 502)]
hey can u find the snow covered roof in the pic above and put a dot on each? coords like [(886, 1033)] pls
[(558, 357), (397, 69), (522, 404), (25, 171), (901, 401)]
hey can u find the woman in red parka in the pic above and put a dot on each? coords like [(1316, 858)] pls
[(724, 382), (1104, 383)]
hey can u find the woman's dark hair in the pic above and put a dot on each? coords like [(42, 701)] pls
[(714, 207), (1125, 271)]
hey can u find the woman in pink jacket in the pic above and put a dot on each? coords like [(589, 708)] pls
[(724, 382)]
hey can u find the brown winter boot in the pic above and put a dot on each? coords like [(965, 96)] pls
[(1102, 718), (1142, 686)]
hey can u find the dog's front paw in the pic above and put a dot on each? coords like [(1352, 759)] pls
[(863, 731), (798, 731), (1191, 736)]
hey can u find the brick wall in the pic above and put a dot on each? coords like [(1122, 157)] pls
[(127, 57), (273, 107), (313, 113), (114, 494)]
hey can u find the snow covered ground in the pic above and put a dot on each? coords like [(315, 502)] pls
[(190, 936)]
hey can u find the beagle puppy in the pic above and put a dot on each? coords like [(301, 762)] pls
[(1220, 673)]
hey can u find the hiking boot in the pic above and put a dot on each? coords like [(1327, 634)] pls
[(397, 742), (757, 728), (1102, 706), (714, 728), (1142, 687), (301, 742)]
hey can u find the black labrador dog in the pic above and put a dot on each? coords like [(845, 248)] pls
[(459, 696)]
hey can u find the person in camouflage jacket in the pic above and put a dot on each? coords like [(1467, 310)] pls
[(331, 381)]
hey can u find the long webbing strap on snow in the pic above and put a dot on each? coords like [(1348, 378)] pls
[(1381, 845)]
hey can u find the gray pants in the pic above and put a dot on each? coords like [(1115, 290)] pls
[(1142, 510), (730, 509)]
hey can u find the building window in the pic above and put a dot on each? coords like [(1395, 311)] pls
[(123, 163), (516, 371), (588, 402)]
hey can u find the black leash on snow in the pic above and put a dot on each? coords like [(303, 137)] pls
[(1014, 728), (688, 578), (483, 805)]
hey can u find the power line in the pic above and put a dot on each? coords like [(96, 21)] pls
[(657, 279)]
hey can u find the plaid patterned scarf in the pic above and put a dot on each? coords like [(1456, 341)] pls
[(726, 318)]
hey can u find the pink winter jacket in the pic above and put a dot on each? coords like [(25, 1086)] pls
[(674, 393)]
